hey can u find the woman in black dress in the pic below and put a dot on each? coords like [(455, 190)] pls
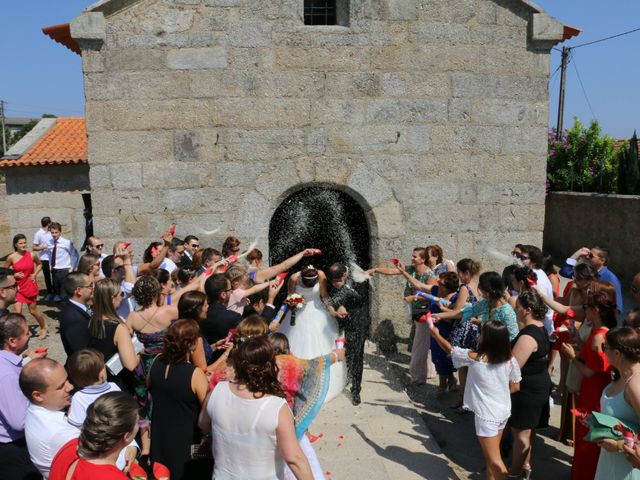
[(529, 406), (178, 388), (109, 334)]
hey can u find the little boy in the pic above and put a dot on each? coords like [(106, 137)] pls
[(89, 376)]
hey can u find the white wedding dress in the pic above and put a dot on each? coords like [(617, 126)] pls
[(314, 334)]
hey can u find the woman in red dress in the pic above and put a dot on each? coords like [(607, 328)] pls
[(26, 266), (601, 312), (111, 425)]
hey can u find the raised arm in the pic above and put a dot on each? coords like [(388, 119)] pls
[(270, 272), (145, 268), (557, 306)]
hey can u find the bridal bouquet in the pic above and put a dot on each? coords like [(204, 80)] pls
[(294, 302)]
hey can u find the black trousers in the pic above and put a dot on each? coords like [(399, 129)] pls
[(15, 463), (355, 334), (59, 274), (46, 271)]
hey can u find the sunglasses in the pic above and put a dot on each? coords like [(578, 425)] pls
[(100, 245), (195, 245)]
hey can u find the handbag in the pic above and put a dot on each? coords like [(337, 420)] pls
[(574, 379), (603, 427)]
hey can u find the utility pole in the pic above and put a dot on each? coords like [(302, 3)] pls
[(563, 77), (4, 138)]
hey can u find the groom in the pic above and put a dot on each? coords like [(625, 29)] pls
[(348, 306)]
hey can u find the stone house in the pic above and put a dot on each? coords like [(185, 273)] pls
[(430, 116), (47, 173)]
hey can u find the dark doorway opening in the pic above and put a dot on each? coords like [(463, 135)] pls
[(324, 218)]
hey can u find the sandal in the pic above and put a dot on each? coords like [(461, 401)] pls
[(44, 333)]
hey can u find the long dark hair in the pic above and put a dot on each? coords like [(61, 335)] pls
[(190, 305), (254, 363), (491, 283), (494, 342)]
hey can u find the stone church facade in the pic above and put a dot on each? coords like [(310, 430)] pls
[(431, 114)]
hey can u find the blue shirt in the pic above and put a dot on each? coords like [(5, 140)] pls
[(605, 275), (13, 404)]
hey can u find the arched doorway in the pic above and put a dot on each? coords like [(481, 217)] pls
[(320, 217)]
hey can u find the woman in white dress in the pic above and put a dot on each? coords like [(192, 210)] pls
[(315, 331)]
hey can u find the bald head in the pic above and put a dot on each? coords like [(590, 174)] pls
[(45, 383), (34, 375)]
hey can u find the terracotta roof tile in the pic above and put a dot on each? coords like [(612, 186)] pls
[(65, 143)]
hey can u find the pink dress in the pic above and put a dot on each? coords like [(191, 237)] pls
[(27, 288)]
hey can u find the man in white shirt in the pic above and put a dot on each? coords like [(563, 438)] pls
[(95, 246), (533, 258), (41, 241), (45, 383), (174, 256), (64, 258)]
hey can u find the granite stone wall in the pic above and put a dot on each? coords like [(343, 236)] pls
[(432, 114)]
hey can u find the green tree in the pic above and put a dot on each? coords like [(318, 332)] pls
[(629, 168), (582, 160)]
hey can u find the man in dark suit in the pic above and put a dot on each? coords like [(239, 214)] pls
[(191, 246), (76, 313), (219, 320), (262, 303)]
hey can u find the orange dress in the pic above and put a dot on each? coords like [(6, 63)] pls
[(27, 288), (585, 457)]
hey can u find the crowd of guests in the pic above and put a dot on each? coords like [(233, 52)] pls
[(502, 332), (173, 361)]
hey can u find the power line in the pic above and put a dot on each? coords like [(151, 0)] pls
[(582, 85), (607, 38)]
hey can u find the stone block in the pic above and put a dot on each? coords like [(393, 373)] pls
[(134, 225), (383, 33), (325, 170), (500, 86), (263, 145), (159, 114), (222, 3), (468, 193), (107, 148), (316, 141), (454, 58), (293, 34), (460, 110), (396, 169), (446, 166), (172, 175), (440, 33), (238, 174), (513, 217), (100, 176), (197, 58), (119, 201), (336, 59), (335, 111), (262, 113), (452, 11), (402, 9), (353, 85), (507, 59), (253, 216), (92, 61), (136, 59), (407, 111), (438, 220), (256, 83), (276, 179), (416, 84), (199, 200), (511, 193), (472, 139), (375, 139), (88, 26), (126, 176), (390, 219), (370, 185), (248, 34), (422, 193), (525, 140), (498, 35), (418, 139), (508, 112)]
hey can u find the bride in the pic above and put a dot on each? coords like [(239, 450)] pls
[(314, 331)]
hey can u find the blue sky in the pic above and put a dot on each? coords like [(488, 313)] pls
[(40, 76)]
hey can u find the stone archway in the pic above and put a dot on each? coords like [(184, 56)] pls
[(324, 217)]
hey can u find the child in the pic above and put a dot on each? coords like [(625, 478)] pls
[(242, 287), (447, 288), (89, 376), (493, 375)]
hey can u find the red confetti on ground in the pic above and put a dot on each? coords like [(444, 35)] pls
[(327, 473), (339, 444), (341, 436)]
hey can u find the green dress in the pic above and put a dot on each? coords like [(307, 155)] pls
[(614, 465)]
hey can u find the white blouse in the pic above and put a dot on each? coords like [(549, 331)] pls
[(487, 389)]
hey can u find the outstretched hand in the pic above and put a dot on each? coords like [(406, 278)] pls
[(341, 312)]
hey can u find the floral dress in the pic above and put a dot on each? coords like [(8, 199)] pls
[(153, 346), (482, 310), (465, 334)]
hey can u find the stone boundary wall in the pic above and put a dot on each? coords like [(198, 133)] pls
[(576, 219), (5, 229)]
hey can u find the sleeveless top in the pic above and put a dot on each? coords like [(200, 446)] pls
[(242, 425), (27, 289), (536, 383)]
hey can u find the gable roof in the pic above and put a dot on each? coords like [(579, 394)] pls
[(54, 141)]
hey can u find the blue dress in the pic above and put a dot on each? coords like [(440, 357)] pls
[(465, 334), (613, 464), (441, 359), (482, 310)]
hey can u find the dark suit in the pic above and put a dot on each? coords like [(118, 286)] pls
[(185, 262), (74, 328), (269, 313), (218, 322)]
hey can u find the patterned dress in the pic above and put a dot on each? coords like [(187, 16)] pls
[(153, 346)]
